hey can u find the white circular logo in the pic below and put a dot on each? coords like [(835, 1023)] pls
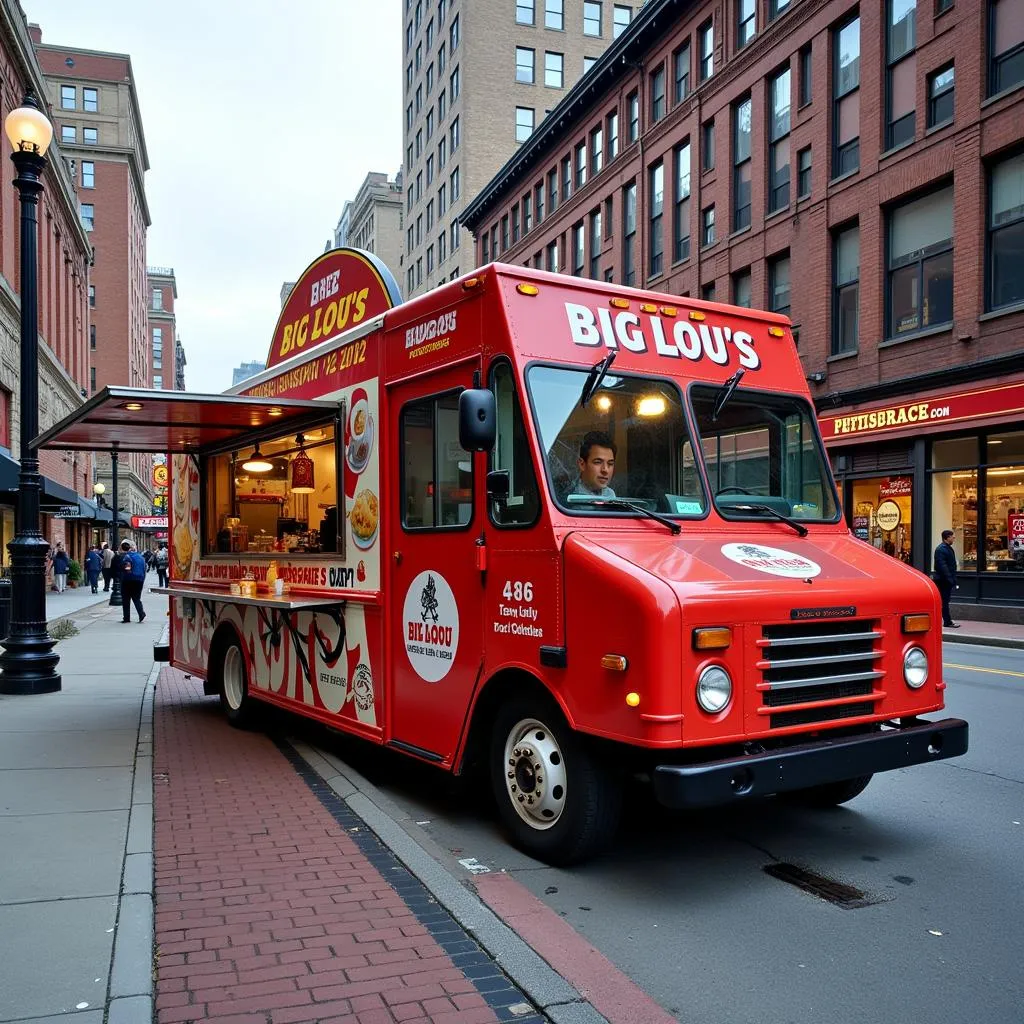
[(430, 622), (888, 515), (771, 560)]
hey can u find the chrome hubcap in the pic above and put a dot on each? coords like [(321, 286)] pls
[(234, 678), (535, 777)]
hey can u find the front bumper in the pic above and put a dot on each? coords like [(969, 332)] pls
[(809, 764)]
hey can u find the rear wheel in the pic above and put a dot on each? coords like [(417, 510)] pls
[(831, 794), (238, 706), (559, 803)]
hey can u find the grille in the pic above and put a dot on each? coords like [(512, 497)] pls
[(809, 663)]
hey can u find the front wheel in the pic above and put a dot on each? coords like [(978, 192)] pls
[(234, 686), (831, 794), (559, 803)]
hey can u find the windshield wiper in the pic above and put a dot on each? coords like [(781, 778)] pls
[(753, 506), (634, 507), (728, 390), (594, 378)]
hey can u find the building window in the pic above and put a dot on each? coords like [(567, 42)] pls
[(708, 145), (1006, 45), (442, 105), (538, 202), (628, 233), (453, 133), (1006, 233), (527, 212), (595, 243), (525, 64), (608, 212), (681, 73), (706, 36), (430, 169), (92, 296), (453, 34), (442, 247), (901, 71), (454, 237), (596, 151), (92, 379), (419, 142), (588, 63), (68, 97), (68, 133), (776, 7), (921, 263), (454, 184), (708, 225), (554, 14), (741, 288), (92, 337), (430, 33), (158, 381), (622, 15), (803, 171), (441, 51), (90, 136), (613, 135), (430, 214), (591, 18), (442, 153), (442, 200), (430, 123), (633, 103), (578, 249), (430, 78), (552, 191), (681, 204), (88, 216), (504, 233), (806, 76), (454, 83), (940, 96), (525, 12), (845, 290), (408, 76), (581, 165), (524, 123), (494, 242), (741, 115), (746, 22), (566, 178), (430, 259), (656, 208), (778, 284), (846, 92), (419, 56), (551, 257), (88, 174), (778, 134), (554, 76), (658, 94), (707, 292)]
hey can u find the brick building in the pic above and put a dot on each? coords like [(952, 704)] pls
[(857, 167), (162, 328), (62, 281), (373, 220), (478, 76), (99, 124)]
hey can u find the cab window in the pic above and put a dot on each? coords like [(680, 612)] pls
[(512, 454), (437, 472)]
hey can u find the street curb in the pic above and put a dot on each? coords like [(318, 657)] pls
[(550, 992), (950, 637), (130, 995)]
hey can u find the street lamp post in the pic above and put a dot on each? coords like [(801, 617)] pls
[(28, 663), (115, 587)]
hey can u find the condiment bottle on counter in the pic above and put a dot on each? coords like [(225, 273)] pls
[(272, 573)]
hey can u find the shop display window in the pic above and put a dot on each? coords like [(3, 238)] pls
[(955, 507), (1004, 503), (881, 514), (281, 496)]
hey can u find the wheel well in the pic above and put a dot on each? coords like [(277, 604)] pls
[(223, 636), (506, 683)]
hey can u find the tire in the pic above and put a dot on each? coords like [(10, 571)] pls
[(237, 705), (831, 794), (568, 810)]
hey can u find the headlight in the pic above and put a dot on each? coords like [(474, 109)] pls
[(915, 668), (714, 689)]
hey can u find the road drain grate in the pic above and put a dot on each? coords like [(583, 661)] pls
[(842, 895)]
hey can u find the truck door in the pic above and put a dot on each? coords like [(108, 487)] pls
[(436, 589)]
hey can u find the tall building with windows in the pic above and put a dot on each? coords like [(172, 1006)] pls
[(373, 220), (162, 327), (96, 118), (859, 168), (479, 76), (246, 370)]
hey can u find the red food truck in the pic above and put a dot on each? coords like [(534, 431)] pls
[(565, 530)]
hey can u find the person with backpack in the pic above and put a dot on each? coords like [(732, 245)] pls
[(61, 564), (93, 567), (133, 575), (161, 559)]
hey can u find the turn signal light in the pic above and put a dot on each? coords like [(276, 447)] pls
[(648, 307), (614, 663), (527, 289), (712, 638), (471, 283), (669, 310), (619, 303), (917, 623), (695, 315), (776, 332)]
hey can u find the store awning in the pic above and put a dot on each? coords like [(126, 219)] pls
[(135, 420), (53, 497)]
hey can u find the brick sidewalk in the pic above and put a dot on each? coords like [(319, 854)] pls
[(271, 899)]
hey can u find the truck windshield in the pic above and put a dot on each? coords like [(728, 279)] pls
[(763, 456), (630, 441)]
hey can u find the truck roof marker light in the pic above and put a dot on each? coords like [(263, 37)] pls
[(633, 699), (669, 311), (470, 283), (712, 638), (916, 623), (614, 663), (132, 406), (619, 303), (776, 332), (697, 315), (648, 307), (527, 289)]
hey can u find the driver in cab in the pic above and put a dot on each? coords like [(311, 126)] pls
[(596, 465)]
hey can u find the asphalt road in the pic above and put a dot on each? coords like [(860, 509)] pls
[(683, 904)]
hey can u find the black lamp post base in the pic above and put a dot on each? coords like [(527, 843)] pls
[(28, 665)]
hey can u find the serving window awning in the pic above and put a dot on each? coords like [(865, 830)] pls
[(156, 422)]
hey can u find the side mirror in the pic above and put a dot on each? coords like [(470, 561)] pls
[(477, 420), (498, 485)]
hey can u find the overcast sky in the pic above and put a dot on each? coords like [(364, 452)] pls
[(261, 118)]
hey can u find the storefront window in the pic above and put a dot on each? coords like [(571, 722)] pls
[(1004, 503), (6, 533), (290, 506), (955, 507), (882, 514)]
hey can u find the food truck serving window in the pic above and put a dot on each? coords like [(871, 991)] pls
[(763, 450), (629, 441), (281, 496)]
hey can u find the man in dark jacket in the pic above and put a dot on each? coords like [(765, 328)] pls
[(945, 575)]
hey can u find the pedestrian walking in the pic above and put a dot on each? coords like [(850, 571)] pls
[(61, 564), (161, 560), (133, 575), (945, 575), (147, 556), (107, 554), (93, 567)]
